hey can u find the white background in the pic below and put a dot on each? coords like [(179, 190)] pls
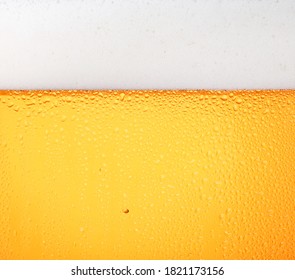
[(136, 44), (61, 270)]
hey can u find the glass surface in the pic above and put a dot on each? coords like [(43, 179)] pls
[(147, 174)]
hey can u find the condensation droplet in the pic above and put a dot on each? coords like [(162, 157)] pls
[(224, 97), (239, 100), (122, 96)]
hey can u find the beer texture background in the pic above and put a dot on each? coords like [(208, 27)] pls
[(147, 174)]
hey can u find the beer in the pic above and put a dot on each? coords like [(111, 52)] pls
[(154, 174)]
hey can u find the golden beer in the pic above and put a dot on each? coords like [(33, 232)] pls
[(147, 174)]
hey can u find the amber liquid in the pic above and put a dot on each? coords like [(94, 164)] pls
[(147, 174)]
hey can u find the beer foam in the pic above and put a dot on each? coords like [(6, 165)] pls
[(147, 44)]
